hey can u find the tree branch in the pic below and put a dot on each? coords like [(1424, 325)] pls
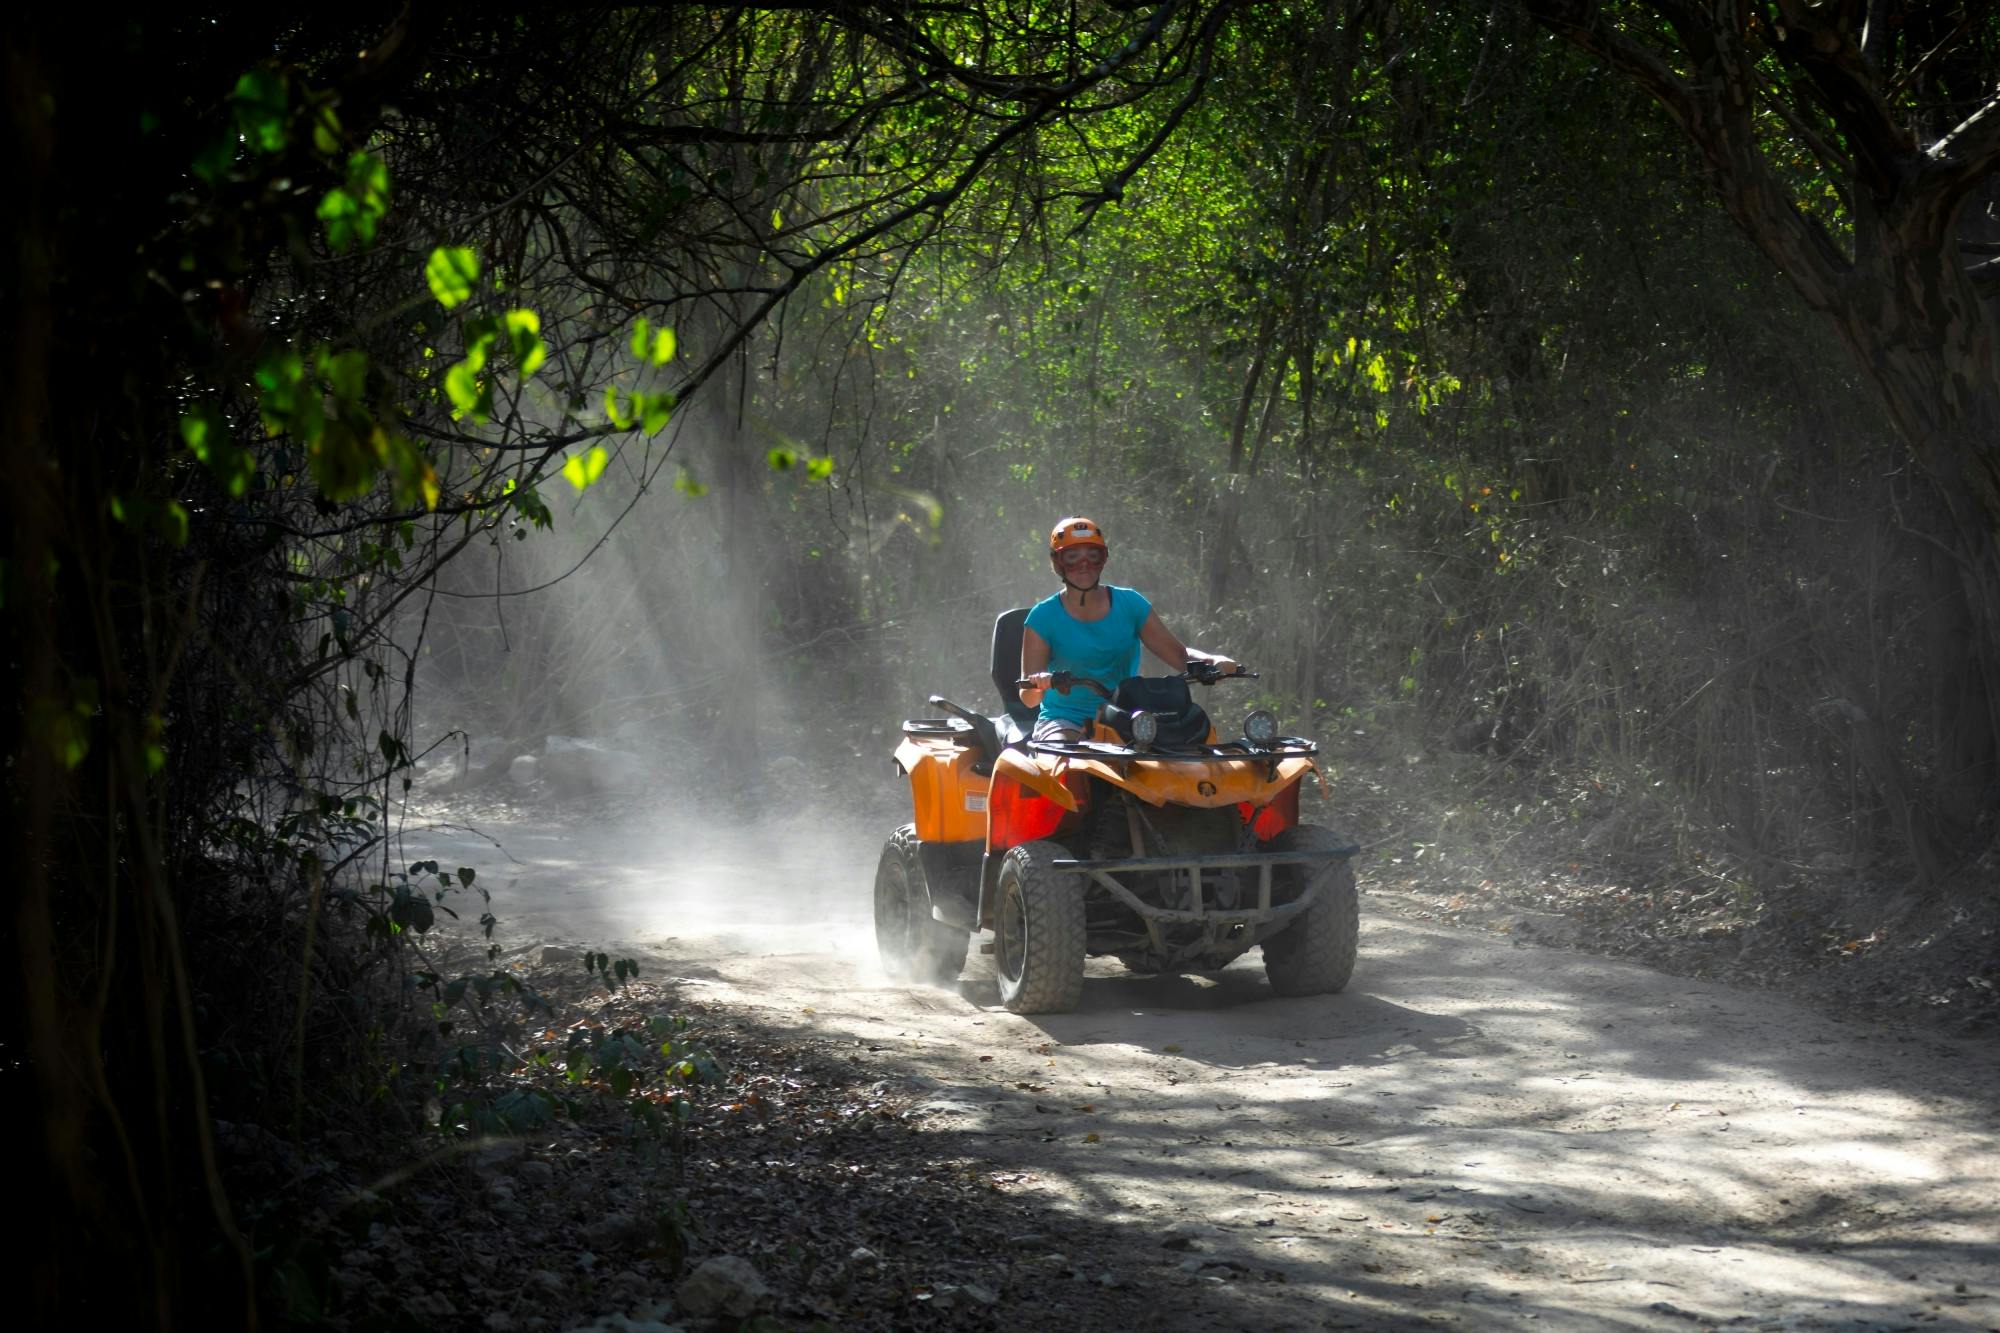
[(1965, 156), (1583, 25)]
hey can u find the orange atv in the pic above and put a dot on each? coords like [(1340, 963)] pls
[(1152, 841)]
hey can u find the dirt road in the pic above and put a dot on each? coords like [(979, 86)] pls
[(1477, 1132)]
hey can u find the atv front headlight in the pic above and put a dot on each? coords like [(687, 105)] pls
[(1145, 728), (1261, 727)]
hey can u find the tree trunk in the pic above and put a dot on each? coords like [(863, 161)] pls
[(1896, 291), (1222, 554)]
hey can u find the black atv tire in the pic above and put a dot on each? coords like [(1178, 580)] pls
[(1038, 932), (1315, 954), (913, 947)]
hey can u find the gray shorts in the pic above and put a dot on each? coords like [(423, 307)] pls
[(1053, 729)]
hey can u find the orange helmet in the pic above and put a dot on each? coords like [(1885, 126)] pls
[(1077, 531)]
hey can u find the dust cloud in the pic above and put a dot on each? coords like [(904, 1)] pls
[(667, 719)]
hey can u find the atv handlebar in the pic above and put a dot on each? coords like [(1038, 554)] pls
[(1206, 673), (1199, 673)]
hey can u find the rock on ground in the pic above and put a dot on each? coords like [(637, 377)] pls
[(725, 1285)]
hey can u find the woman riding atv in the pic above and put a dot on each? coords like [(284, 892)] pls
[(1098, 637)]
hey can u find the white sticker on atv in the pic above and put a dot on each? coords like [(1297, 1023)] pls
[(975, 800)]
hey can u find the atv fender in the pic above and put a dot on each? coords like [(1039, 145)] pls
[(1024, 770), (1216, 783), (951, 880)]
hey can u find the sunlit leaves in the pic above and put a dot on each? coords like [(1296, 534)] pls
[(783, 458), (470, 391), (583, 470), (451, 271), (324, 404), (351, 212), (524, 339), (469, 383), (653, 347), (650, 412), (655, 409)]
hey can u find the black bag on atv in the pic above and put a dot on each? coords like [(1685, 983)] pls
[(1182, 721)]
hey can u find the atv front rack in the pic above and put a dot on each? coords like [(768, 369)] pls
[(1222, 928)]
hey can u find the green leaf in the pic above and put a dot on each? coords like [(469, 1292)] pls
[(62, 726), (470, 392), (411, 476), (340, 214), (653, 348), (368, 181), (524, 339), (351, 211), (781, 459), (346, 373), (207, 438), (212, 163), (688, 484), (529, 503), (612, 411), (202, 431), (344, 463), (260, 99), (655, 410), (819, 469), (451, 271), (583, 470), (326, 131), (284, 396)]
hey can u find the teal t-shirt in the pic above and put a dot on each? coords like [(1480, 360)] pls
[(1106, 650)]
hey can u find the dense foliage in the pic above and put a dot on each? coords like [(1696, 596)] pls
[(1411, 351)]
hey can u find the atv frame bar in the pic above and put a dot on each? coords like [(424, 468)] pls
[(1222, 928)]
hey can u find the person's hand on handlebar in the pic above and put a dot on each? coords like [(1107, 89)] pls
[(1207, 668), (1034, 686)]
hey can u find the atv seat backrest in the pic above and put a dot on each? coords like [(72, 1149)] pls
[(1007, 665)]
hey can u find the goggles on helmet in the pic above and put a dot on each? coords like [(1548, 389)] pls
[(1075, 556)]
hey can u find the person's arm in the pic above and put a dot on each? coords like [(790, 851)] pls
[(1034, 666), (1166, 646)]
